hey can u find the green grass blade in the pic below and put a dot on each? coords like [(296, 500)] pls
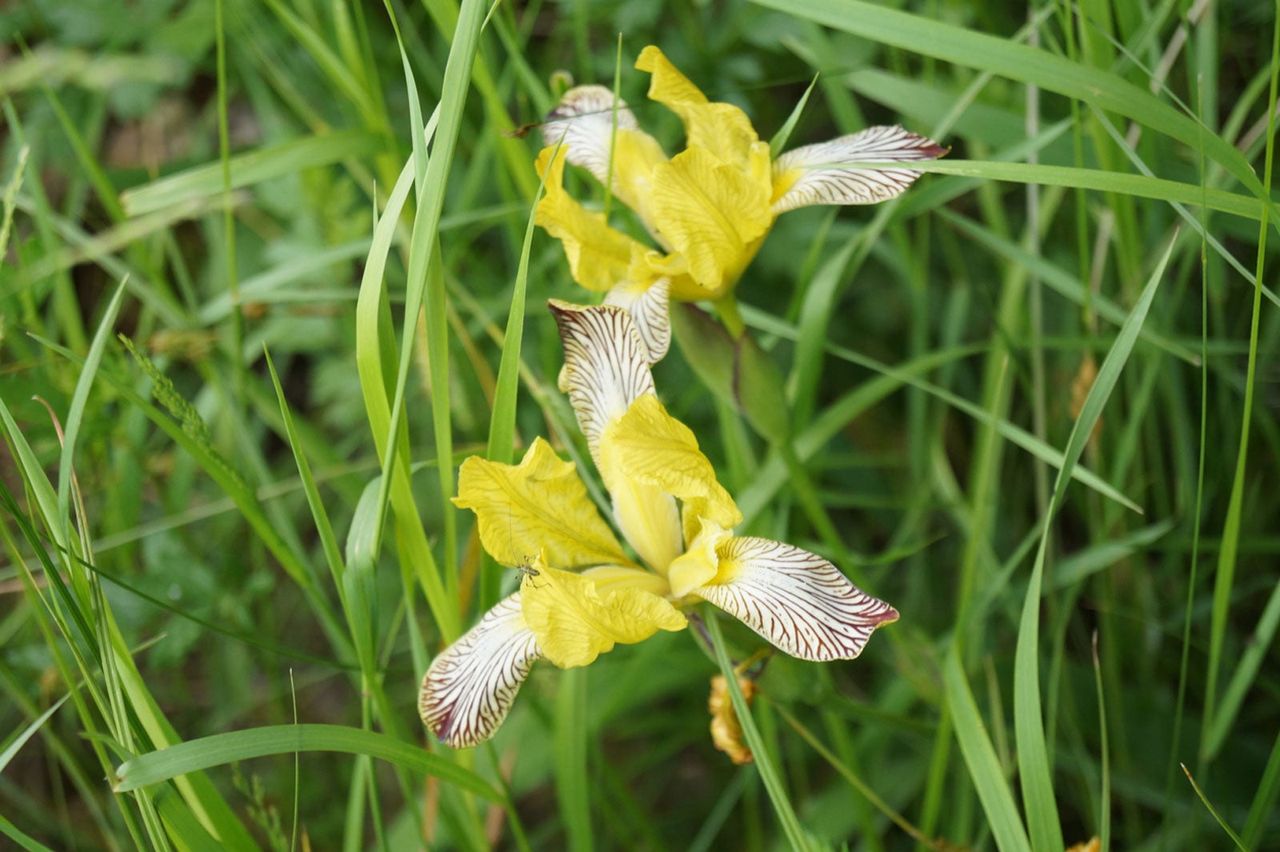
[(572, 754), (328, 540), (425, 277), (1262, 810), (1235, 838), (1022, 63), (502, 421), (249, 168), (375, 361), (1104, 805), (1035, 773), (20, 837), (779, 141), (11, 197), (221, 749), (828, 422), (1124, 183), (1227, 555), (980, 757), (791, 826), (80, 397), (15, 745)]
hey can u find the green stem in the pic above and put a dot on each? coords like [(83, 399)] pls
[(768, 773), (727, 308)]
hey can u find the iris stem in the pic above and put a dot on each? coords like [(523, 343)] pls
[(727, 308)]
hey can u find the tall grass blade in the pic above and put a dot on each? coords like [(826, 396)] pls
[(221, 749), (980, 757), (1035, 773)]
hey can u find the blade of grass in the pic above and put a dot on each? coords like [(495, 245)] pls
[(15, 745), (221, 749), (1104, 806), (80, 397), (904, 376), (249, 168), (375, 359), (1035, 773), (425, 278), (779, 141), (1123, 183), (1227, 555), (1021, 63), (791, 826), (1235, 838), (20, 837), (1262, 810), (980, 757), (573, 789), (502, 422)]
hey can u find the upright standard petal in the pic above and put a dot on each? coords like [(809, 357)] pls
[(713, 214), (469, 688), (648, 445), (599, 256), (721, 129), (583, 122), (797, 600), (576, 619), (538, 507), (649, 460), (828, 172), (606, 364), (650, 310)]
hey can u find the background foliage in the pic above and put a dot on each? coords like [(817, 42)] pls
[(217, 561)]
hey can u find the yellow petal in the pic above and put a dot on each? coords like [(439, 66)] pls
[(700, 563), (646, 515), (713, 214), (720, 128), (583, 122), (539, 506), (577, 618), (599, 256), (649, 447)]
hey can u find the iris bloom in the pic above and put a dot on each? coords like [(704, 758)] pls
[(709, 207), (582, 592)]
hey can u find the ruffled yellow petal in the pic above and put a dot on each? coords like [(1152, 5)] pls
[(577, 618), (720, 128), (713, 214), (700, 564), (539, 506), (599, 256), (648, 448)]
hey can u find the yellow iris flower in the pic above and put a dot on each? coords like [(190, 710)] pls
[(582, 591), (709, 207)]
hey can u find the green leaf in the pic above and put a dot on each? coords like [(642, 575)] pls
[(221, 749), (980, 758), (1034, 771), (738, 371), (1032, 65), (202, 182), (763, 762)]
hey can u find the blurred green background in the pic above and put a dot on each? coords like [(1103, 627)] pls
[(947, 344)]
